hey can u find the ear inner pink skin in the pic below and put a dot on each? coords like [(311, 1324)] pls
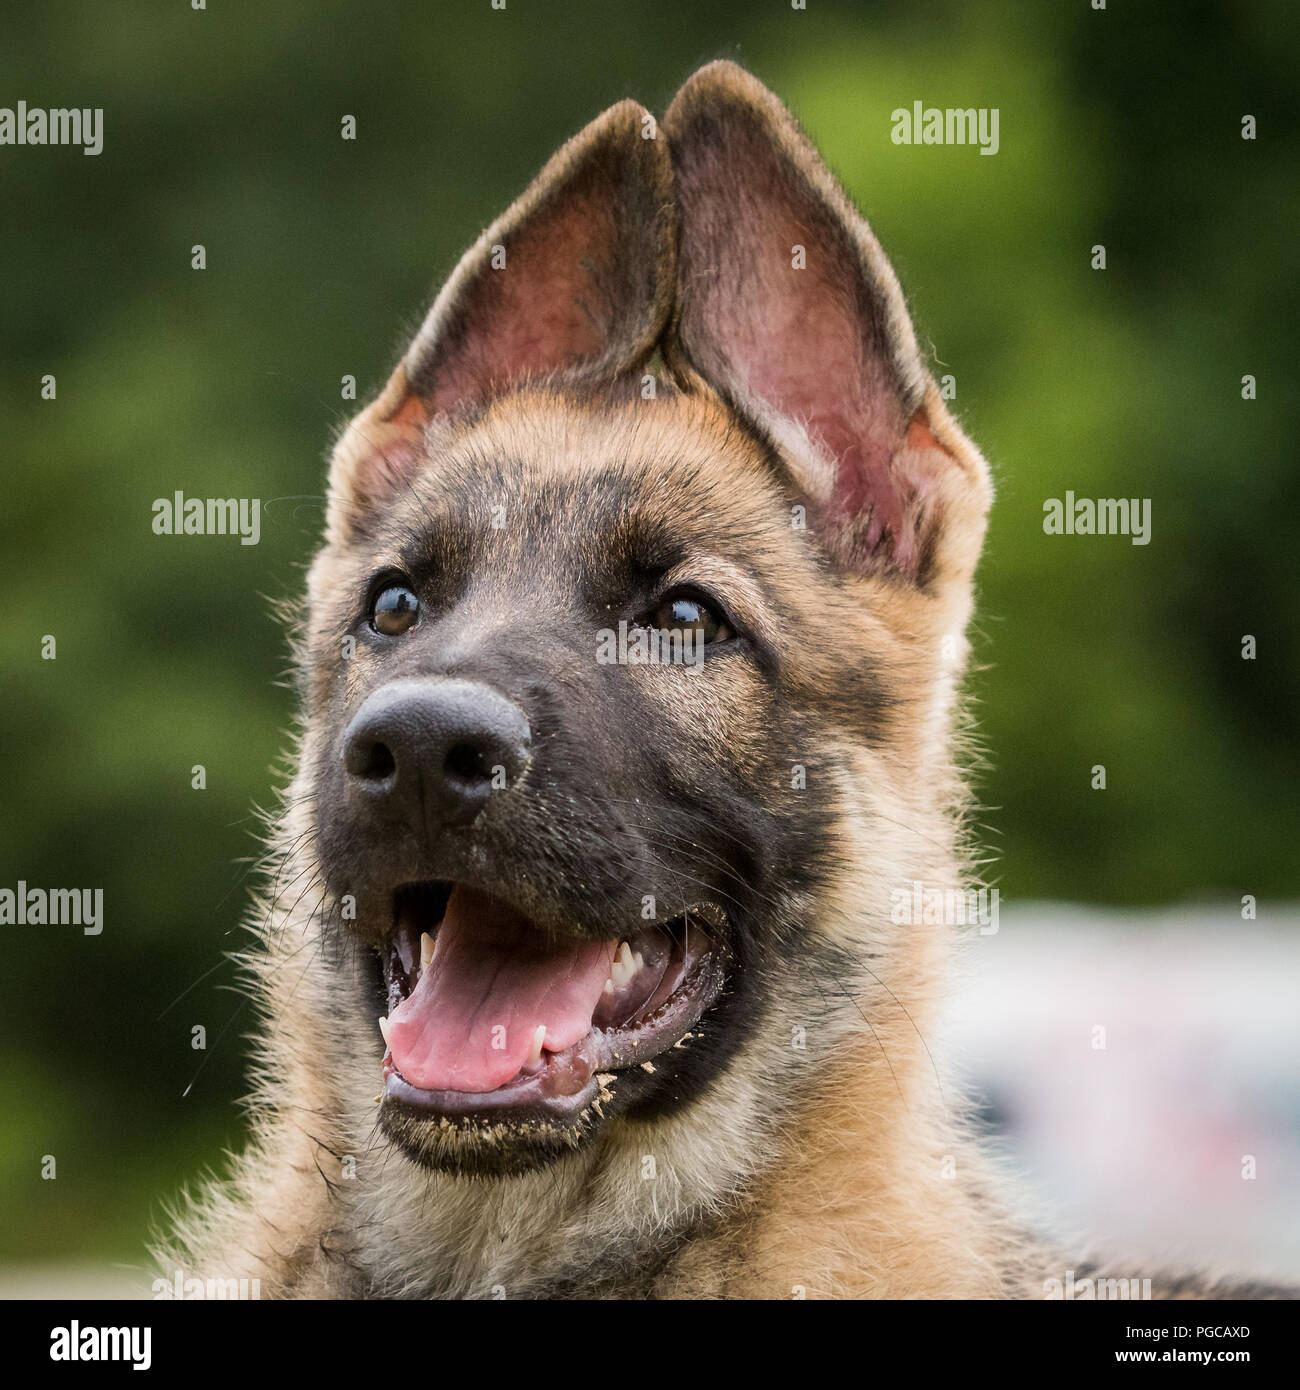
[(573, 281), (472, 1019), (545, 310), (394, 462), (784, 302)]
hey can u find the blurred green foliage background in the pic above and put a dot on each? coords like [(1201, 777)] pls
[(222, 127)]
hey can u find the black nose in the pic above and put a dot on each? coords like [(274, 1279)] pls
[(436, 748)]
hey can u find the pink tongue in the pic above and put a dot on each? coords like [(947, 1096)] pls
[(470, 1022)]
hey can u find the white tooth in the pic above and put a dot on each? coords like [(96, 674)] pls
[(383, 1028), (624, 966), (427, 947), (535, 1054), (639, 961), (609, 986)]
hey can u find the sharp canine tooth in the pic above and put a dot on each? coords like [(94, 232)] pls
[(383, 1028), (539, 1037), (427, 947), (624, 965)]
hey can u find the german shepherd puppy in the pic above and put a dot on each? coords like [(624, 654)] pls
[(628, 675)]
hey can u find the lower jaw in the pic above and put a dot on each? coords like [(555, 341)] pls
[(523, 1104)]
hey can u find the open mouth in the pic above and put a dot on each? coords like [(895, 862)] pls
[(489, 1017)]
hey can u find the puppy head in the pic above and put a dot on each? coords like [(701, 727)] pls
[(628, 689)]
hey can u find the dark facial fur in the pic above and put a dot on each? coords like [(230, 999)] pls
[(644, 781)]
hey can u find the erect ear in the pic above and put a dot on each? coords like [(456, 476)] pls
[(787, 305), (574, 281)]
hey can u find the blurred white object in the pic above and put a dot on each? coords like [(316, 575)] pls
[(1135, 1064)]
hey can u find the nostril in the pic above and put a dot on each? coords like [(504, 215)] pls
[(372, 760), (466, 764)]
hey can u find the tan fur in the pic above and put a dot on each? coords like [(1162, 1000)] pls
[(841, 1170), (851, 1199)]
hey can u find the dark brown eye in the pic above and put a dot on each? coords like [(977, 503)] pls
[(684, 614), (395, 611)]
